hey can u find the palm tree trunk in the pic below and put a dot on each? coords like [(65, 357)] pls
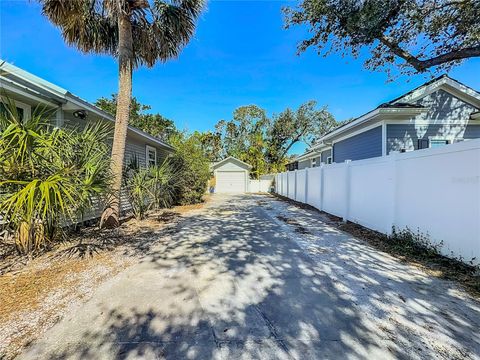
[(111, 215)]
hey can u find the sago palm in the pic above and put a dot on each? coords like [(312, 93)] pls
[(137, 32)]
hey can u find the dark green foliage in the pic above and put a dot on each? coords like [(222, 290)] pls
[(407, 241), (153, 124), (160, 28), (264, 142), (153, 188), (425, 34), (191, 166), (49, 176)]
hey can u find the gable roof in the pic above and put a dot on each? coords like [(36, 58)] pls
[(12, 75), (405, 104), (231, 159)]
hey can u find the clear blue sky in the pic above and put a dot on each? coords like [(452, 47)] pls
[(240, 55)]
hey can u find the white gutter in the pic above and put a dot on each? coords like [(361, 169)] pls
[(370, 116)]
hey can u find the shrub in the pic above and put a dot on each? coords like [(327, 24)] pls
[(138, 193), (48, 176), (164, 185), (154, 188), (192, 166)]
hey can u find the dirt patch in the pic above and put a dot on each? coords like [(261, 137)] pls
[(420, 256), (297, 226), (35, 294)]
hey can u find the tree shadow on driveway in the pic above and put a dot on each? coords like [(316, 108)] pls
[(234, 283)]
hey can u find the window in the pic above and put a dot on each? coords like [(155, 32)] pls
[(329, 160), (423, 144), (438, 143), (23, 110), (314, 162), (151, 156)]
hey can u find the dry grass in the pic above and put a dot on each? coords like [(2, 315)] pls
[(35, 294)]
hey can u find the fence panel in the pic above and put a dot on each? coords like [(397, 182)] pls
[(438, 192), (291, 185), (334, 189), (371, 193), (301, 177), (314, 187)]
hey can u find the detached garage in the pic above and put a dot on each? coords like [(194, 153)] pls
[(231, 175)]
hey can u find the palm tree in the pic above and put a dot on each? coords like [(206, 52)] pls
[(137, 32)]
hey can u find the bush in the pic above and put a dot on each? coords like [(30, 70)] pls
[(192, 166), (49, 176), (154, 188)]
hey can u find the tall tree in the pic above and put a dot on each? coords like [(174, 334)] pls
[(424, 34), (212, 145), (136, 32), (153, 124), (243, 136), (306, 124)]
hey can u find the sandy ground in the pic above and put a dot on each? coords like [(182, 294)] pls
[(35, 296)]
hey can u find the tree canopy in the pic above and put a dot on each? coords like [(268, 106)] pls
[(423, 34), (153, 124), (264, 142)]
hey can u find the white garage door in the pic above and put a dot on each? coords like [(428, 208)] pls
[(230, 182)]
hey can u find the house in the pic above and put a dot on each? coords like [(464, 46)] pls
[(28, 91), (439, 112), (231, 175)]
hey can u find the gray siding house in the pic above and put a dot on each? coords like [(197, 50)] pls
[(440, 112), (28, 92)]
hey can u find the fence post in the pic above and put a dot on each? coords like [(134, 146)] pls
[(287, 184), (393, 184), (347, 190), (306, 186), (295, 187), (322, 169)]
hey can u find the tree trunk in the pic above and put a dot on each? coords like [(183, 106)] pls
[(111, 215)]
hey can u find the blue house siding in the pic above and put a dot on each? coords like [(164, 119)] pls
[(472, 132), (362, 146), (325, 154), (406, 136)]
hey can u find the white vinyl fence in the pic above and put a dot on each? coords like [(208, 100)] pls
[(258, 186), (435, 191)]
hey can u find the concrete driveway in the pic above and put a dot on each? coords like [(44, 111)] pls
[(235, 282)]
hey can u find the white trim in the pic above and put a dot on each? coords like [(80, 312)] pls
[(27, 109), (20, 90), (308, 156), (59, 117), (372, 115), (214, 166), (449, 85), (149, 148), (384, 138)]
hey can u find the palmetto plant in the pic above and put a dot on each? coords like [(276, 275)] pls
[(137, 32), (164, 184), (155, 188), (48, 176)]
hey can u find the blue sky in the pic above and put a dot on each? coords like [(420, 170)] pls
[(240, 55)]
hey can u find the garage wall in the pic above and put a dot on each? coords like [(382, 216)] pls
[(230, 167)]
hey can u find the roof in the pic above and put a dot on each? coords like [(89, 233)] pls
[(231, 159), (403, 104), (24, 78)]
